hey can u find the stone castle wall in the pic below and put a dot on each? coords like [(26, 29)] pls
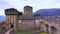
[(26, 24)]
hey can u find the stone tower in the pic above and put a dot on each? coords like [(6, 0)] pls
[(28, 11), (11, 18)]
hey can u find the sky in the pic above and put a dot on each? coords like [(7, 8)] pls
[(36, 4)]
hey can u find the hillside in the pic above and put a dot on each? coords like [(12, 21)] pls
[(48, 12)]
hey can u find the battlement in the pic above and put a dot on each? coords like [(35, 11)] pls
[(27, 7), (12, 11)]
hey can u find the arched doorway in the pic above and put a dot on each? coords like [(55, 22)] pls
[(12, 26), (47, 28), (53, 30)]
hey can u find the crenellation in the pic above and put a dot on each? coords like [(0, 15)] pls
[(11, 11)]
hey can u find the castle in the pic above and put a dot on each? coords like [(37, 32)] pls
[(28, 21), (22, 21)]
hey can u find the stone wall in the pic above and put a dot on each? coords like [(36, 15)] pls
[(53, 22), (26, 24)]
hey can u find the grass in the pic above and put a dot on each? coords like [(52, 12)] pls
[(42, 33), (26, 31), (29, 32)]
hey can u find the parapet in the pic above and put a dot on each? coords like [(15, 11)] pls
[(27, 7)]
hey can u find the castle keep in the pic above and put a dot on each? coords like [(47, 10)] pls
[(22, 21)]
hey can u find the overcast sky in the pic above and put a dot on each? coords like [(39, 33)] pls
[(36, 4)]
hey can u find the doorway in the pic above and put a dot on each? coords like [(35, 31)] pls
[(47, 28), (12, 26)]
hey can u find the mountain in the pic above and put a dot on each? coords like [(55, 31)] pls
[(48, 12), (2, 17)]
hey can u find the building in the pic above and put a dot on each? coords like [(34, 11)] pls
[(22, 21), (28, 21)]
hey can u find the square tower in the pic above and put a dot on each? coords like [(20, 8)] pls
[(28, 11), (12, 18)]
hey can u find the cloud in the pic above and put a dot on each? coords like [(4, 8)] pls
[(3, 6), (36, 4)]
